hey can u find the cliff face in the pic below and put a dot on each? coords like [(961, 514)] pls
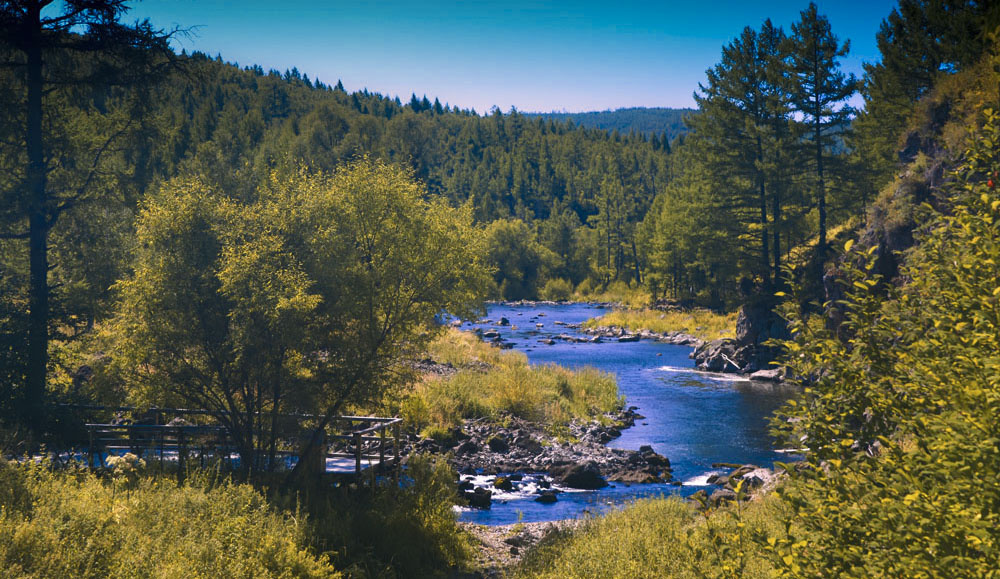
[(930, 149)]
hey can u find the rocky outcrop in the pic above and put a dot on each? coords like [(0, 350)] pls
[(717, 356), (757, 324), (750, 351)]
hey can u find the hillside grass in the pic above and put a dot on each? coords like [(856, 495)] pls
[(491, 382), (704, 324), (663, 537)]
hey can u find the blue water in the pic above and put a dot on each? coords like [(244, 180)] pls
[(693, 418)]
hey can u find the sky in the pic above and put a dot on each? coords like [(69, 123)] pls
[(533, 56)]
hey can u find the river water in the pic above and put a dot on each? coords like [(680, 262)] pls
[(693, 418)]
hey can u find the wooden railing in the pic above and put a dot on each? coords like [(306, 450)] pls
[(350, 444), (367, 437), (154, 441)]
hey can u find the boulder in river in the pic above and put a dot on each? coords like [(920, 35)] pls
[(503, 483), (717, 356), (467, 447), (479, 498), (546, 497), (498, 443), (771, 375), (586, 475)]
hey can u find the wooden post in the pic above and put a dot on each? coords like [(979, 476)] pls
[(357, 456), (181, 455), (381, 448), (396, 451)]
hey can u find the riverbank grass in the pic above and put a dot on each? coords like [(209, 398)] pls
[(491, 382), (704, 324), (663, 537), (616, 292)]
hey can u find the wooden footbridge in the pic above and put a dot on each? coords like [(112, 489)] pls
[(350, 444)]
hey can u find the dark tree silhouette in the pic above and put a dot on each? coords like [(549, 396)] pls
[(53, 49)]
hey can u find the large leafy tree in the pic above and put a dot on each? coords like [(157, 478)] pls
[(62, 62), (301, 300), (899, 410)]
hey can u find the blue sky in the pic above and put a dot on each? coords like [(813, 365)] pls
[(535, 56)]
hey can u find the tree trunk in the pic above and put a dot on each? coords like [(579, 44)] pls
[(776, 219), (818, 134), (764, 252), (38, 228), (821, 191), (635, 258)]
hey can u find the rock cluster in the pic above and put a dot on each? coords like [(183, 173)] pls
[(512, 447), (753, 477), (623, 335), (749, 353)]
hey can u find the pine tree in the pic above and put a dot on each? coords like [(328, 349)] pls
[(820, 91), (76, 46), (740, 106)]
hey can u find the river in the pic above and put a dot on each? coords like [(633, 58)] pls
[(693, 418)]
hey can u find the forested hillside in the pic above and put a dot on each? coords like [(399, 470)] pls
[(178, 230), (662, 123)]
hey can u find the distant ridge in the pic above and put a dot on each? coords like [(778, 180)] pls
[(645, 121)]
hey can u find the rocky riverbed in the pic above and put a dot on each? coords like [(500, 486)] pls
[(726, 355), (510, 458), (515, 468), (500, 547)]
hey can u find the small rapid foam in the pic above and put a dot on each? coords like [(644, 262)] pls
[(700, 480), (529, 487), (717, 376)]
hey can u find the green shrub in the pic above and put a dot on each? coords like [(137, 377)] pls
[(557, 289), (394, 532), (900, 407)]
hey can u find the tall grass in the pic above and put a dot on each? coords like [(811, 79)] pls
[(657, 538), (77, 525), (616, 292), (704, 324), (491, 382)]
